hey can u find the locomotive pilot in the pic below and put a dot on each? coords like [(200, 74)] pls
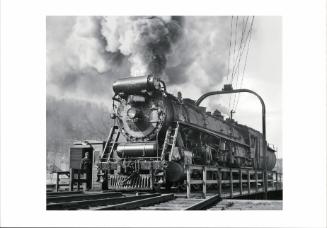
[(86, 167)]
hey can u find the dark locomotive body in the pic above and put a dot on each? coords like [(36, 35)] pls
[(164, 133)]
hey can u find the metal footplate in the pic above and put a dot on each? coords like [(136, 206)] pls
[(124, 182)]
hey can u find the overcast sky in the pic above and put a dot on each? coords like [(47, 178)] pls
[(82, 63), (264, 75)]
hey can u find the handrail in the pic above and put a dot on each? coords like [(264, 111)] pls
[(250, 176)]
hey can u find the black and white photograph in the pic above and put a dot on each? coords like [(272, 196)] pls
[(163, 114)]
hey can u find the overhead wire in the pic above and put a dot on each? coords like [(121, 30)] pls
[(240, 46), (233, 58), (237, 65), (237, 57), (242, 43), (235, 43), (231, 39), (230, 44), (243, 48), (245, 62)]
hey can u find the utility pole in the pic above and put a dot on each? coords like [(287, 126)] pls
[(229, 89)]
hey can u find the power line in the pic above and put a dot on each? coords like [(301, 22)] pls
[(233, 53), (239, 60), (234, 45), (242, 44), (230, 44), (246, 57), (242, 51), (237, 57)]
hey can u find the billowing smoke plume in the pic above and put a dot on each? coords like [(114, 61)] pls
[(78, 66), (86, 54), (146, 41)]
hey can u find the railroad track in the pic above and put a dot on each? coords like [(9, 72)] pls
[(120, 201), (182, 203), (104, 201), (53, 194)]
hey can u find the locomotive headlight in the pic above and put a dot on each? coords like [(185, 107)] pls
[(132, 113)]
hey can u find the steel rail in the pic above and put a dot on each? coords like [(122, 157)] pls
[(97, 202), (60, 199), (54, 194), (204, 204), (139, 203)]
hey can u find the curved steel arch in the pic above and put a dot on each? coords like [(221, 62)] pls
[(228, 89)]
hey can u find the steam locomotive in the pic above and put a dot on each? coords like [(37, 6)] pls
[(162, 134)]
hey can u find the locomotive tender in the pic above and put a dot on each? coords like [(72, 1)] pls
[(163, 134)]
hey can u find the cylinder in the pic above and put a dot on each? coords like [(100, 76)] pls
[(133, 85), (174, 172), (146, 149), (271, 161)]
